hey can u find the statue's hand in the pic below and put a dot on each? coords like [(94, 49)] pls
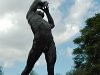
[(45, 8)]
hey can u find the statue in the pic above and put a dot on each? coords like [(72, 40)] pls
[(43, 40)]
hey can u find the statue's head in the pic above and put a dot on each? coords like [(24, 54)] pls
[(40, 13)]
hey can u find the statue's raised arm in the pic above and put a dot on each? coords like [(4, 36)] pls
[(33, 7), (50, 19)]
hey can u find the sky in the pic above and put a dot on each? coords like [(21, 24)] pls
[(16, 36)]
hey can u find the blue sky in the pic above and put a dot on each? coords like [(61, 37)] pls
[(16, 36)]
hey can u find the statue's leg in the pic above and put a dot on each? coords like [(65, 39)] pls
[(34, 54), (50, 56)]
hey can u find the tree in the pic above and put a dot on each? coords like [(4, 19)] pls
[(1, 72), (70, 73), (87, 54), (33, 73), (77, 72)]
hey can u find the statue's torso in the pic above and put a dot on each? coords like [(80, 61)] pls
[(39, 26)]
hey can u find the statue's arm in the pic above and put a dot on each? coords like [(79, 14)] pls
[(33, 7), (50, 19)]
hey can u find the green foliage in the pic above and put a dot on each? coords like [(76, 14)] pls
[(33, 73), (87, 54), (1, 72), (70, 73), (77, 72)]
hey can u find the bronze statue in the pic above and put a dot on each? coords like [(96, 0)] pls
[(43, 40)]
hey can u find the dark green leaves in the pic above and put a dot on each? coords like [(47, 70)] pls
[(87, 54)]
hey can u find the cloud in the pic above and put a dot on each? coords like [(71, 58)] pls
[(78, 11), (5, 24), (69, 51), (16, 39), (8, 6), (73, 21), (55, 4), (69, 32), (10, 56)]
